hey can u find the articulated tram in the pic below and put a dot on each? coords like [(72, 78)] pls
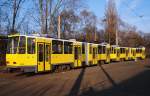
[(41, 54)]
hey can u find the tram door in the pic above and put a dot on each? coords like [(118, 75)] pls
[(77, 56), (94, 55), (43, 57), (47, 57)]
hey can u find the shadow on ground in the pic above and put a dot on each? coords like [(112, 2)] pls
[(76, 87), (29, 74), (139, 85), (147, 66)]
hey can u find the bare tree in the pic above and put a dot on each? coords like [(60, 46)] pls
[(10, 11), (49, 10), (69, 23), (16, 7), (3, 15), (146, 43), (111, 22), (0, 19), (45, 8), (88, 25)]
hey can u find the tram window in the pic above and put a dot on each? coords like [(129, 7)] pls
[(100, 49), (94, 52), (12, 45), (40, 53), (31, 46), (140, 50), (104, 49), (90, 49), (68, 47), (83, 48), (118, 51), (15, 42), (22, 45), (114, 50), (76, 52), (47, 52), (57, 47), (121, 50)]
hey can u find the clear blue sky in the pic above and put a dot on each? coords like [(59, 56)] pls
[(135, 12)]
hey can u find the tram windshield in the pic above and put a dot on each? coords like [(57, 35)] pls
[(16, 45)]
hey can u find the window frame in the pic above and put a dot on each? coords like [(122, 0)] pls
[(83, 48), (31, 50), (47, 52), (57, 43), (90, 49), (40, 53), (69, 48), (20, 46)]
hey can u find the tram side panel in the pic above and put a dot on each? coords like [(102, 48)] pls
[(102, 53), (122, 54), (113, 54)]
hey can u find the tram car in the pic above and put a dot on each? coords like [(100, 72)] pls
[(114, 53), (42, 54), (140, 53)]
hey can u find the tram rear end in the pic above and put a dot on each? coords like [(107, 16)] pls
[(21, 53)]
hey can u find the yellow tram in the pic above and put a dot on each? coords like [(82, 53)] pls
[(40, 54)]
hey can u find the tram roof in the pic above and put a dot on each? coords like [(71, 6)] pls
[(70, 40)]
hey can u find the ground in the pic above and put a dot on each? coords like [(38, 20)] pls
[(116, 79)]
